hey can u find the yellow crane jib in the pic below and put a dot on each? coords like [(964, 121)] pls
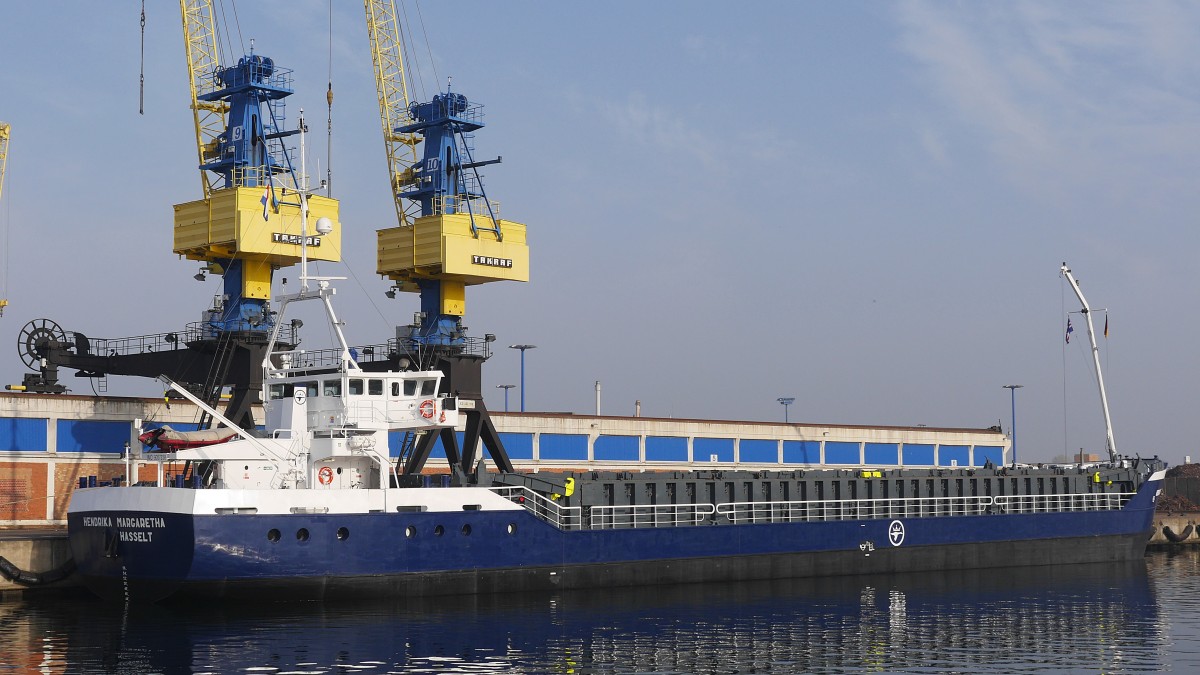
[(5, 131)]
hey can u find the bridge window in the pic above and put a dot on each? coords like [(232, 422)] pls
[(356, 387), (428, 387), (410, 387), (375, 387), (395, 389), (333, 387), (310, 388), (279, 391)]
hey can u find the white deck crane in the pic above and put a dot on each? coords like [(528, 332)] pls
[(1087, 314)]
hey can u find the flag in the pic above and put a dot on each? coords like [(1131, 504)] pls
[(1106, 325), (268, 195), (1069, 330)]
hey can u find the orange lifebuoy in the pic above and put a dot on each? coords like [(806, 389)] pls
[(325, 475), (443, 417), (427, 408)]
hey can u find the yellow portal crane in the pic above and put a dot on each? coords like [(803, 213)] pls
[(449, 235), (5, 130), (249, 222)]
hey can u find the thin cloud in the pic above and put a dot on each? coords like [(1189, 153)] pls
[(657, 126), (1061, 94)]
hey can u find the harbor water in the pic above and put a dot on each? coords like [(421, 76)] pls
[(1128, 618)]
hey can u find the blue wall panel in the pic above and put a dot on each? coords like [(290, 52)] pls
[(563, 446), (838, 452), (881, 453), (616, 448), (917, 454), (93, 436), (23, 435), (704, 448), (985, 452), (518, 446), (758, 451), (802, 452), (666, 449), (953, 453)]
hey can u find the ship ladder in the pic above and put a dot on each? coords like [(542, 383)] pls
[(408, 444), (221, 363)]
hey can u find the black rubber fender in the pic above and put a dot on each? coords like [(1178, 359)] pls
[(1176, 538), (19, 576)]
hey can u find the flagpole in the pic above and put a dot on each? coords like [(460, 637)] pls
[(1087, 314)]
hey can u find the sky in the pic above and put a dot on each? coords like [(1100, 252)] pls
[(860, 205)]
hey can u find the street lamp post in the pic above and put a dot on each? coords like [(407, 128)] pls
[(523, 348), (786, 401), (505, 387), (1012, 389)]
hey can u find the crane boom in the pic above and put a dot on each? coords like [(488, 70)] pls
[(200, 36), (5, 130), (387, 56), (1087, 314)]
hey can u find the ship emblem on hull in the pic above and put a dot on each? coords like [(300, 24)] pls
[(896, 533)]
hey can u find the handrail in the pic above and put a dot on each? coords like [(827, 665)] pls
[(562, 517), (853, 509), (648, 515), (1082, 501), (677, 515), (156, 342)]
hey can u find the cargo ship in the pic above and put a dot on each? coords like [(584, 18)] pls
[(314, 509)]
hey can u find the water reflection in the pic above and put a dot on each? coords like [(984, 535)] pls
[(1086, 618)]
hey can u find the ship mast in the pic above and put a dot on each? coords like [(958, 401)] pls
[(1087, 314)]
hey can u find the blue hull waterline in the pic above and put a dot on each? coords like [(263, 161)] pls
[(512, 540)]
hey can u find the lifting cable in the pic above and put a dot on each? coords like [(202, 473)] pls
[(329, 114), (142, 73)]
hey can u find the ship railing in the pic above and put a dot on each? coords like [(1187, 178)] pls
[(562, 517), (143, 344), (919, 507), (1081, 501), (649, 515), (302, 359), (852, 509)]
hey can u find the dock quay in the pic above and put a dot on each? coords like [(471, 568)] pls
[(36, 550)]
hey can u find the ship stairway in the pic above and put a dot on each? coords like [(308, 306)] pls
[(222, 360), (408, 444)]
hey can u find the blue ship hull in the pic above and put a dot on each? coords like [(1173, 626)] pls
[(161, 554)]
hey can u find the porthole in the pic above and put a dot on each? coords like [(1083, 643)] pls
[(410, 532), (343, 534), (466, 530), (273, 535), (512, 528), (439, 531), (339, 470), (302, 534)]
